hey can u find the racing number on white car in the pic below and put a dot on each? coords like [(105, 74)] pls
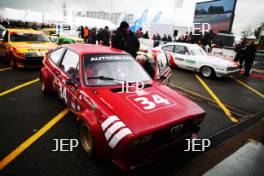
[(148, 104)]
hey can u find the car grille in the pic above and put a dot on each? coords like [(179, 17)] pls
[(174, 131), (164, 141), (232, 68)]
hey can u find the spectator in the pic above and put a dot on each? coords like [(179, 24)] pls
[(124, 39), (154, 37), (164, 38), (81, 32), (169, 38), (99, 36), (92, 36), (240, 52), (158, 36), (139, 33), (250, 56), (146, 35), (106, 36), (86, 34), (143, 61)]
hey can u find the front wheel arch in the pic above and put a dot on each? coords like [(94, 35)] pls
[(87, 139), (89, 118), (207, 66), (44, 79)]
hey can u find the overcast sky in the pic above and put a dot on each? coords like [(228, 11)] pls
[(249, 13)]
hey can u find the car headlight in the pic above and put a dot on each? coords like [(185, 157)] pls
[(139, 141), (135, 143), (18, 54)]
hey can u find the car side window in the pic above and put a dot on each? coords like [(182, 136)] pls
[(76, 75), (56, 55), (169, 48), (69, 63), (181, 50)]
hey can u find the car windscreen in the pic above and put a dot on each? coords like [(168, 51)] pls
[(197, 51), (27, 37), (119, 68)]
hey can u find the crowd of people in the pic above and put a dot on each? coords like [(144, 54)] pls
[(124, 39), (26, 25), (93, 36)]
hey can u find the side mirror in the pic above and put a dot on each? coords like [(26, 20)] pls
[(187, 54), (54, 39)]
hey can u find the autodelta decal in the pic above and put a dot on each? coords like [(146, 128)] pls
[(114, 130), (102, 58), (190, 61)]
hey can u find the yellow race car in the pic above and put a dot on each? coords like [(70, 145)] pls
[(24, 47)]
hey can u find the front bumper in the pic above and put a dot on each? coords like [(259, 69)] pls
[(226, 73), (150, 154), (30, 62), (161, 146)]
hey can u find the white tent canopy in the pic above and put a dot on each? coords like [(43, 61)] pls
[(14, 14), (92, 22), (33, 16)]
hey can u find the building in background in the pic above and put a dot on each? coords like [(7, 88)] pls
[(113, 17)]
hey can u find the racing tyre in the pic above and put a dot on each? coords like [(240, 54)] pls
[(207, 72), (44, 87), (87, 140)]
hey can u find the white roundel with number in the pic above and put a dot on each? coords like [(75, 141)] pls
[(152, 101)]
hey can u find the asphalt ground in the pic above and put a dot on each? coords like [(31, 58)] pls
[(25, 111)]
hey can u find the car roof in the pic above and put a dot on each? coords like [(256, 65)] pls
[(93, 49), (24, 30)]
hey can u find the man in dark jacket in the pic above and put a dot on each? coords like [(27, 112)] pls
[(106, 36), (240, 52), (126, 40), (250, 57)]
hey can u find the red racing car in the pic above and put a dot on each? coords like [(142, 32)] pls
[(125, 116)]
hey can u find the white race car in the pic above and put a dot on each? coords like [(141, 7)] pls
[(193, 57)]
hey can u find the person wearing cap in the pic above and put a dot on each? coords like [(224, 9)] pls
[(125, 40)]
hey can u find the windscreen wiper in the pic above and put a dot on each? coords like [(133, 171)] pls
[(108, 79)]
